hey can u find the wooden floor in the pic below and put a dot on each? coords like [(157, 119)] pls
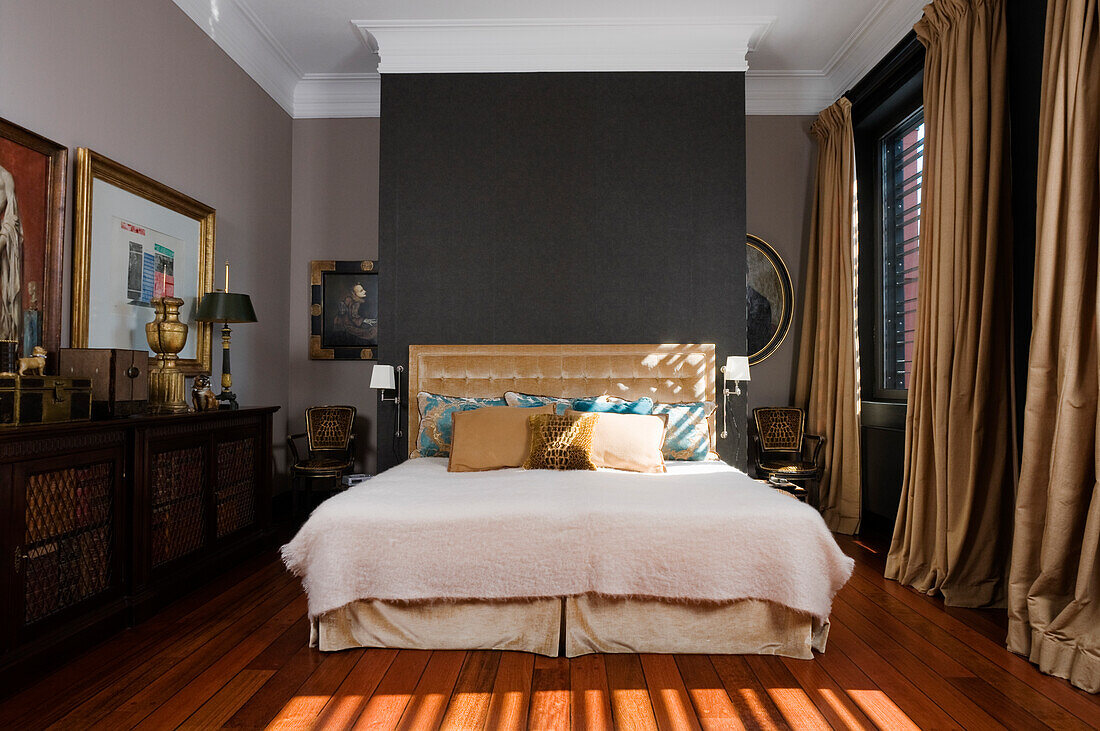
[(235, 655)]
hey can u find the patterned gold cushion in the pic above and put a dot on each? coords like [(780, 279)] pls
[(561, 442)]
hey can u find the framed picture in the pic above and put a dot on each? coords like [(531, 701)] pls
[(32, 232), (769, 299), (343, 310), (137, 239)]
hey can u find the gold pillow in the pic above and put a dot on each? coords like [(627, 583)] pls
[(629, 442), (491, 438), (561, 442)]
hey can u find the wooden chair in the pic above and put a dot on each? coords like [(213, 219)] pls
[(781, 447), (331, 443)]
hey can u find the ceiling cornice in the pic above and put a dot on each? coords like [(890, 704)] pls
[(234, 27), (785, 93), (628, 45), (520, 45), (808, 92), (320, 96)]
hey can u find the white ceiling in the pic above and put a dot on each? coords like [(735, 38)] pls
[(320, 58)]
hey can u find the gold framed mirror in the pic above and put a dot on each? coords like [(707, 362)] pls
[(769, 299)]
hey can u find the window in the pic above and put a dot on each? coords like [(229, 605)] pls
[(902, 171), (888, 122)]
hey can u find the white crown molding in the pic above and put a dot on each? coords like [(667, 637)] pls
[(321, 96), (880, 31), (236, 30), (787, 93), (591, 44), (569, 45), (808, 92)]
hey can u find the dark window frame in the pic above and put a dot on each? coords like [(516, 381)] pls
[(892, 314), (886, 97)]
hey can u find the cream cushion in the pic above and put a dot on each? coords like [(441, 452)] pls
[(628, 441), (491, 438)]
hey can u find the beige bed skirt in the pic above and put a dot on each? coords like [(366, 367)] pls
[(591, 624)]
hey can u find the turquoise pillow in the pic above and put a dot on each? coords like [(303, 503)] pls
[(436, 424), (530, 401), (687, 434), (613, 405)]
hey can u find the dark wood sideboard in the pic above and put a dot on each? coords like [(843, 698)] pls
[(102, 523)]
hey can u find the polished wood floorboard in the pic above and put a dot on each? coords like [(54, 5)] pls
[(234, 655)]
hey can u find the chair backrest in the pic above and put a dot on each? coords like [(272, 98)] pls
[(779, 428), (328, 428)]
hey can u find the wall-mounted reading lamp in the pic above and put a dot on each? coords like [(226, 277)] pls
[(736, 369), (386, 378)]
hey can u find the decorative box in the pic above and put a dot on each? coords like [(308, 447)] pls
[(44, 399), (120, 378)]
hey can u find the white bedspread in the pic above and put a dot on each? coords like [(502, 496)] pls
[(701, 532)]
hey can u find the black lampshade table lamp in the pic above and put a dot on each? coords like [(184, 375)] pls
[(226, 307)]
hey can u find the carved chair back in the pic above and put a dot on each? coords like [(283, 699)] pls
[(780, 428), (329, 428)]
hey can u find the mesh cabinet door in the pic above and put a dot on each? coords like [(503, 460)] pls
[(69, 556)]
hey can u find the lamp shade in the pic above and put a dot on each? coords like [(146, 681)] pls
[(225, 307), (737, 368), (382, 377)]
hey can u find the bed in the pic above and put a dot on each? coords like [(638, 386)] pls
[(698, 559)]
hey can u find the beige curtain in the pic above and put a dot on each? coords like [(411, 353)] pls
[(953, 529), (1054, 586), (828, 358)]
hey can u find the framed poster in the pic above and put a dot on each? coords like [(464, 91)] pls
[(769, 299), (137, 239), (32, 231), (343, 310)]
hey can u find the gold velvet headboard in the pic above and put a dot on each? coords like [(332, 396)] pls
[(668, 373)]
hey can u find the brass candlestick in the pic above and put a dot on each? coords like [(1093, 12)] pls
[(166, 336)]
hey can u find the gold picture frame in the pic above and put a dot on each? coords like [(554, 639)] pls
[(359, 340), (89, 244)]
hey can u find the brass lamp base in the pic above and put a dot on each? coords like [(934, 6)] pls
[(167, 387)]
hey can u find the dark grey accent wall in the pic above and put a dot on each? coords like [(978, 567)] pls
[(561, 208)]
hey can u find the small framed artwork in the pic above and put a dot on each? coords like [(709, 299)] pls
[(32, 232), (136, 239), (343, 310), (769, 295)]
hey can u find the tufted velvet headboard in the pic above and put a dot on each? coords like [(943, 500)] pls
[(668, 373)]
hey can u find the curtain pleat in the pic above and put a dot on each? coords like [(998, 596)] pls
[(953, 529), (827, 384), (1054, 583)]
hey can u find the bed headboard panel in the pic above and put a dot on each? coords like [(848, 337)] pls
[(668, 373)]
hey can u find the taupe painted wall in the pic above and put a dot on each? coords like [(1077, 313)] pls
[(335, 216), (139, 82), (779, 166)]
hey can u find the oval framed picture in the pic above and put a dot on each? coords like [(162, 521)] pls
[(769, 299)]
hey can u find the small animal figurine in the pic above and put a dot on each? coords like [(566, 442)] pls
[(34, 364), (202, 395)]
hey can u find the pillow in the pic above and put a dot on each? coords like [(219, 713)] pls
[(560, 442), (527, 400), (614, 405), (628, 441), (491, 438), (687, 436), (434, 438)]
